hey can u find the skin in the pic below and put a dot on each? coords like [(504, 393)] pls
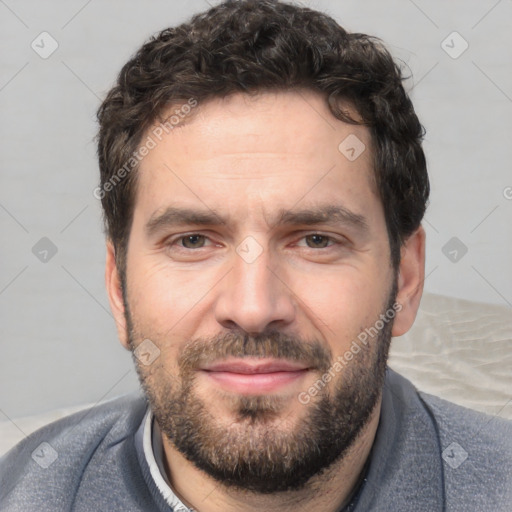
[(245, 158)]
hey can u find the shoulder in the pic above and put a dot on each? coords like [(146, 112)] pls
[(476, 452), (451, 419), (480, 433), (58, 455), (468, 422), (471, 451)]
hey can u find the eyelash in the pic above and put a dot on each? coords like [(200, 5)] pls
[(172, 241)]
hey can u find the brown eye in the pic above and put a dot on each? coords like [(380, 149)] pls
[(317, 241), (193, 241)]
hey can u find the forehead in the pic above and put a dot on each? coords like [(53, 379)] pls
[(263, 152)]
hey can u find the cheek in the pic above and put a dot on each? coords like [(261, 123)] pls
[(165, 303), (343, 303), (157, 291)]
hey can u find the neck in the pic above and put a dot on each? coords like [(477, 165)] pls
[(329, 491)]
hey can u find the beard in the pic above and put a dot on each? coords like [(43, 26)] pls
[(259, 450)]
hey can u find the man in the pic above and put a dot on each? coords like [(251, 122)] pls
[(263, 185)]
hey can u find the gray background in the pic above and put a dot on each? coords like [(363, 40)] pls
[(58, 341)]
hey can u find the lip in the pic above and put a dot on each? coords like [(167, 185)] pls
[(254, 376), (252, 365)]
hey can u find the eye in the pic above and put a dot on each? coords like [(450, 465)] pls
[(190, 241), (318, 241)]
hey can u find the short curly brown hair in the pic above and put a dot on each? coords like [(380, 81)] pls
[(256, 45)]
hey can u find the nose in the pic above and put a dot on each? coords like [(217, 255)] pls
[(254, 297)]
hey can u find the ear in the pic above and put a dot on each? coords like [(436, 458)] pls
[(115, 294), (410, 281)]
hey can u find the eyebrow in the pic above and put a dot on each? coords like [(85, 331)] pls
[(325, 214)]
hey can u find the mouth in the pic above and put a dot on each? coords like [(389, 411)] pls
[(255, 376)]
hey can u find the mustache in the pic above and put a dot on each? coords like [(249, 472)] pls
[(272, 344)]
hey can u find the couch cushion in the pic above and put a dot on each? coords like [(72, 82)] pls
[(461, 351)]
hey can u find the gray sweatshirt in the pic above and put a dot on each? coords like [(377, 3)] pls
[(429, 455)]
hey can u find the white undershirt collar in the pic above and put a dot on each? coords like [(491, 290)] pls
[(153, 451)]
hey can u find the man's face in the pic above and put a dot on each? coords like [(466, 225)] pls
[(253, 307)]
